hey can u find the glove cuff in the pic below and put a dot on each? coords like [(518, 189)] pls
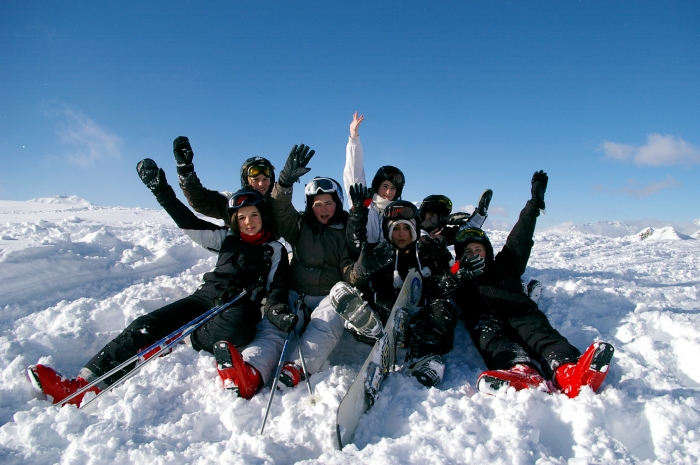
[(184, 169)]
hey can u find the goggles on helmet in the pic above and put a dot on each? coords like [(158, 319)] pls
[(323, 186), (402, 211), (463, 235), (255, 170), (244, 199), (394, 176)]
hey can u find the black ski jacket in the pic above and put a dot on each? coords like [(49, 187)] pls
[(499, 290)]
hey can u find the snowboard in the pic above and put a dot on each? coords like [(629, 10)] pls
[(365, 388)]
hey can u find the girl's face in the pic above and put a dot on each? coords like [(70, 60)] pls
[(387, 190), (260, 183), (401, 236), (323, 208), (249, 220)]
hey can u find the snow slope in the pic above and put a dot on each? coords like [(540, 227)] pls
[(72, 275)]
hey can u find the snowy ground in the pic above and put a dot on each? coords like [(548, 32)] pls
[(72, 275)]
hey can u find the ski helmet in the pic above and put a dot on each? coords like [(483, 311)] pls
[(467, 235), (255, 166), (319, 185), (438, 204), (400, 211), (248, 197), (392, 174)]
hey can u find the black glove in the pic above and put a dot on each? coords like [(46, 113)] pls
[(458, 219), (152, 176), (471, 267), (359, 194), (280, 316), (539, 186), (373, 257), (295, 167), (183, 155)]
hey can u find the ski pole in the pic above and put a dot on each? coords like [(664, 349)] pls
[(170, 340), (283, 357)]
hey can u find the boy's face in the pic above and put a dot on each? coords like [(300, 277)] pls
[(323, 208), (260, 183), (474, 248)]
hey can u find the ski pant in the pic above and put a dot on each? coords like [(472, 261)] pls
[(236, 324), (322, 334), (432, 330), (504, 342)]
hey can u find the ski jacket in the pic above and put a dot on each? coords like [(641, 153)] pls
[(498, 290), (320, 254), (205, 201), (354, 173), (239, 264), (379, 286)]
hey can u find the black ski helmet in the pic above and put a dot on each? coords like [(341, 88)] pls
[(438, 204), (322, 185), (392, 174), (400, 210), (467, 235), (255, 166)]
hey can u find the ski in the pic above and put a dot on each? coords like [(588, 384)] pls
[(363, 392)]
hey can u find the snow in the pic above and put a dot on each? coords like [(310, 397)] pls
[(73, 274)]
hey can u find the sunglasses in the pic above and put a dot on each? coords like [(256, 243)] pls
[(255, 170), (469, 233)]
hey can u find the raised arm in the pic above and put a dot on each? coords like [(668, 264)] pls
[(205, 201), (354, 172)]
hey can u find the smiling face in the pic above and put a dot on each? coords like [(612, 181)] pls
[(401, 236), (323, 207), (249, 220), (260, 183), (387, 190), (474, 248)]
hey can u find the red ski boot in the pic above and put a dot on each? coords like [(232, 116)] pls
[(234, 372), (590, 370), (519, 376), (290, 376), (56, 386)]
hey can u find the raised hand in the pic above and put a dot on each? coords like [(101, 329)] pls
[(295, 167), (359, 194), (152, 176), (355, 125), (183, 155), (539, 186)]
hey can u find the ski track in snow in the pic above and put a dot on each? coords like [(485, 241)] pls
[(73, 275)]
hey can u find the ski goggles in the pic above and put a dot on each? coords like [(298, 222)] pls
[(255, 170), (463, 235), (400, 212), (244, 199), (320, 186), (394, 176)]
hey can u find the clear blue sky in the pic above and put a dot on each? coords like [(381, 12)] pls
[(604, 96)]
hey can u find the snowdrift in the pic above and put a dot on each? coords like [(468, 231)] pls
[(72, 275)]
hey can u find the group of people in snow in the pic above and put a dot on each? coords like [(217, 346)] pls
[(348, 269)]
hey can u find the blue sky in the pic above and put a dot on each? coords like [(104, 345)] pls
[(461, 96)]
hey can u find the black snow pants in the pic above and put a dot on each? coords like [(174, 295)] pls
[(432, 330), (236, 324), (504, 342)]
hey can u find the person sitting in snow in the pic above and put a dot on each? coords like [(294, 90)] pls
[(247, 253), (515, 339), (256, 173), (431, 332)]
